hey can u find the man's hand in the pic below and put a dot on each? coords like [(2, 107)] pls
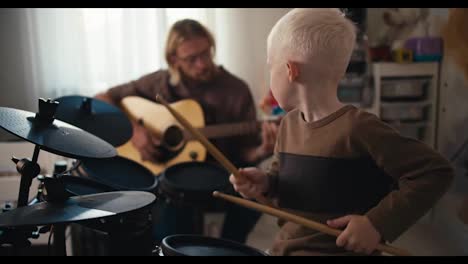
[(253, 184), (256, 154), (269, 132), (359, 235), (146, 143)]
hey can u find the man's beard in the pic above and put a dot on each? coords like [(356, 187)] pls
[(204, 77)]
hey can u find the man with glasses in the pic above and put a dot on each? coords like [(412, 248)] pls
[(224, 98)]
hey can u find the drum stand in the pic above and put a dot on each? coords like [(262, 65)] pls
[(19, 237)]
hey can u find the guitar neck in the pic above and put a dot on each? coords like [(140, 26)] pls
[(141, 109), (229, 130)]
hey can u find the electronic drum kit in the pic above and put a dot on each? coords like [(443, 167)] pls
[(102, 190)]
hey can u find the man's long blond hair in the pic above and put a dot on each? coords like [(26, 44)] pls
[(181, 31), (455, 35)]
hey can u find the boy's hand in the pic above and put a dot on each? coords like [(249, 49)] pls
[(254, 183), (359, 235)]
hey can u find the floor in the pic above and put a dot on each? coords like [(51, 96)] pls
[(263, 233)]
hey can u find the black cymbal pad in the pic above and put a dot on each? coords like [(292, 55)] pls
[(77, 208), (95, 116), (57, 137)]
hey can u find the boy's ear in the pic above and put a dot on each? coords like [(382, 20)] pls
[(293, 70)]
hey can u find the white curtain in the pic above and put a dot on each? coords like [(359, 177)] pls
[(85, 51), (62, 51)]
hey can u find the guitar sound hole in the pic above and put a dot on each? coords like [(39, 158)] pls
[(172, 144), (173, 137)]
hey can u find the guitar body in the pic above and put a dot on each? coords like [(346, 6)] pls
[(155, 118)]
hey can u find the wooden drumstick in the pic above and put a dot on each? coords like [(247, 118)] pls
[(301, 221), (210, 147)]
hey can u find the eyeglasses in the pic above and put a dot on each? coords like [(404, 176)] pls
[(204, 55)]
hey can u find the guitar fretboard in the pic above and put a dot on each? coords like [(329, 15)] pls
[(227, 130), (233, 129)]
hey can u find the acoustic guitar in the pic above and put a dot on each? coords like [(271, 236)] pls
[(177, 144)]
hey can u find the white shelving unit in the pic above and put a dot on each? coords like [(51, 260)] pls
[(426, 72), (354, 85)]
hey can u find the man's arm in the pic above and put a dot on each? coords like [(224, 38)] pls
[(255, 154), (253, 148), (146, 86), (115, 94), (104, 96)]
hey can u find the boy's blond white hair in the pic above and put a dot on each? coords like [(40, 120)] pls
[(315, 35)]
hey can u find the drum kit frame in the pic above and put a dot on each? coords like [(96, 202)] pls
[(77, 127), (120, 213)]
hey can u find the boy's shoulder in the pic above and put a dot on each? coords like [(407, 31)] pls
[(364, 123), (352, 120), (360, 117), (352, 114)]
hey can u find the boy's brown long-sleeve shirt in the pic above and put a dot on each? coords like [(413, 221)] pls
[(351, 163)]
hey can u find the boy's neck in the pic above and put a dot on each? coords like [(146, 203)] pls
[(319, 101)]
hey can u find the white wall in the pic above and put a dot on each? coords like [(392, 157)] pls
[(241, 35), (15, 77)]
